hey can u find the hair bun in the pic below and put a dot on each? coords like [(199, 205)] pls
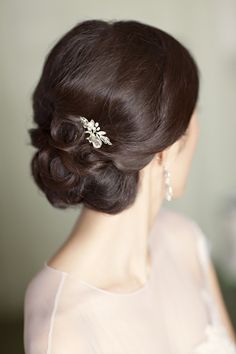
[(142, 88)]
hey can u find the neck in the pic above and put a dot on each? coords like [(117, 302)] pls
[(107, 249)]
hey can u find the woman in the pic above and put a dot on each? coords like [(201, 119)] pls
[(117, 126)]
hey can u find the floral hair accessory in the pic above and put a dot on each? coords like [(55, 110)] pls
[(96, 136)]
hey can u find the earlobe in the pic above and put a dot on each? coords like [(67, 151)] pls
[(158, 157), (163, 157)]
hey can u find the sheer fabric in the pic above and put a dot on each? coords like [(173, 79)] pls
[(173, 313)]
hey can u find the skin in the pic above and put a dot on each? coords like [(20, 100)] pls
[(110, 251)]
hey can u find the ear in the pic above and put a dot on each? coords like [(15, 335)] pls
[(168, 156)]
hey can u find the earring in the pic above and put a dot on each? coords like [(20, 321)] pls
[(168, 187)]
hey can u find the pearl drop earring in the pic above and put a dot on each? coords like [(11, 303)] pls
[(168, 187)]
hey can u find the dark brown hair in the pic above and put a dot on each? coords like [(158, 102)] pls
[(141, 85)]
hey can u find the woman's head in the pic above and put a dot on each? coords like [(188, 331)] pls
[(138, 82)]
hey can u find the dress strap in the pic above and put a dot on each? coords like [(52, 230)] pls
[(204, 252)]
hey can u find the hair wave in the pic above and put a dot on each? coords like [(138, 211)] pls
[(141, 85)]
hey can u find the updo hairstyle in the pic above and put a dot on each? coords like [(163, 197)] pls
[(137, 81)]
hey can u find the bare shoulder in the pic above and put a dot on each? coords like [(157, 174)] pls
[(184, 237), (181, 225)]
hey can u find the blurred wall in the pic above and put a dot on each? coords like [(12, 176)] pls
[(31, 229)]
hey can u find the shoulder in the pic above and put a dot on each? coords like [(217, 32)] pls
[(49, 302), (185, 238), (39, 300), (48, 288), (180, 226), (41, 287), (176, 217)]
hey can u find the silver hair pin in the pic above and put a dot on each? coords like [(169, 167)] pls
[(96, 136)]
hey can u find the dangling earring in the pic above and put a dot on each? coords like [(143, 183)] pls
[(168, 187)]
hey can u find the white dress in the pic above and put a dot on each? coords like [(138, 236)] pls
[(173, 313)]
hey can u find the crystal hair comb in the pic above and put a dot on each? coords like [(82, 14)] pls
[(96, 136)]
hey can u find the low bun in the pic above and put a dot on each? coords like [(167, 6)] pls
[(131, 85), (102, 187)]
